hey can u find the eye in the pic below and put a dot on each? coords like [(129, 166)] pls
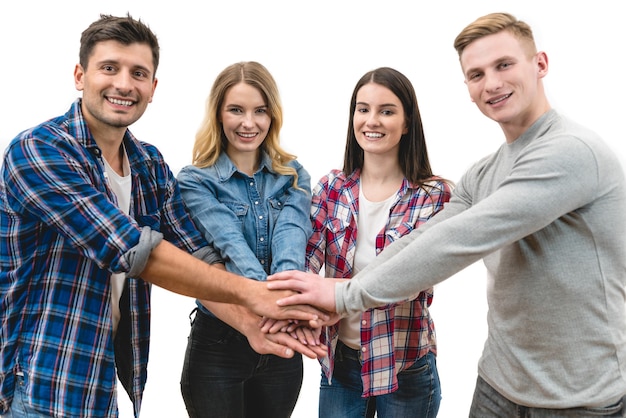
[(140, 74), (262, 110), (108, 68), (235, 110), (361, 110), (387, 112)]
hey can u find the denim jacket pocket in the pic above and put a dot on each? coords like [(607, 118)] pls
[(238, 208), (276, 205)]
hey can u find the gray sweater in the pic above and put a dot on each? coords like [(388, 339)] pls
[(546, 214)]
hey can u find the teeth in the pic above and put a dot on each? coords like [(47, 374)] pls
[(373, 135), (500, 99), (245, 135), (121, 102)]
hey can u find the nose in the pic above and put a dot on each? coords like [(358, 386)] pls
[(246, 121), (123, 82), (373, 119), (493, 82)]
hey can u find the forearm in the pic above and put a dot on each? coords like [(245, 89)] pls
[(175, 270), (236, 316)]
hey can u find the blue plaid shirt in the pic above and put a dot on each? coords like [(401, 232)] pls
[(61, 237)]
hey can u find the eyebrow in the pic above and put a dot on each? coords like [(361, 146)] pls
[(118, 62), (382, 105), (235, 104), (495, 62)]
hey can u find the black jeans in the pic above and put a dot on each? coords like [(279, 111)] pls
[(224, 377)]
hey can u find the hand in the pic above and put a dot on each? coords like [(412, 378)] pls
[(282, 343), (312, 289), (297, 329), (282, 340), (306, 335), (333, 318), (272, 326), (263, 302), (249, 324)]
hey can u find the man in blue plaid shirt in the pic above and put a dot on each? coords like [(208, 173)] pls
[(89, 218)]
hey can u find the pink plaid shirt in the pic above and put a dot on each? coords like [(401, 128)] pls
[(395, 336)]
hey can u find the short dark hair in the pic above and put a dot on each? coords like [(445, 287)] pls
[(124, 30)]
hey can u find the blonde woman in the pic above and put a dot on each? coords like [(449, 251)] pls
[(251, 200)]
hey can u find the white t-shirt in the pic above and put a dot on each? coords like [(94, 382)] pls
[(371, 220), (121, 187)]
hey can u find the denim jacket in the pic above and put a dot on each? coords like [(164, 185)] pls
[(260, 225)]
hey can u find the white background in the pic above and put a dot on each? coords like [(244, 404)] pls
[(317, 51)]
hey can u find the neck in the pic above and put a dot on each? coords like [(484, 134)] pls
[(246, 162), (381, 179), (114, 155), (109, 139), (516, 128)]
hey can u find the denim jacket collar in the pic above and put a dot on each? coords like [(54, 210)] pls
[(226, 169)]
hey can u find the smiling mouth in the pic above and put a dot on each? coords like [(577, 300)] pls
[(373, 135), (120, 102), (500, 99), (247, 134)]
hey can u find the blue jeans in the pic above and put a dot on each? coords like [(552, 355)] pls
[(488, 403), (418, 394), (19, 407), (224, 377)]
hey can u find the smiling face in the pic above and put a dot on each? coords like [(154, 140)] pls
[(245, 120), (503, 76), (117, 85), (378, 120)]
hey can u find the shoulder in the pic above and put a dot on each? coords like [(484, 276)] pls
[(45, 141), (559, 142), (193, 173), (438, 185), (334, 179), (296, 165)]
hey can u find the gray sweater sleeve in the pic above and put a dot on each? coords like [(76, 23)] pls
[(515, 192)]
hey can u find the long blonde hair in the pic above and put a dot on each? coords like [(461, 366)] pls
[(210, 139)]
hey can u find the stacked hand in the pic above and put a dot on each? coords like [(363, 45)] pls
[(294, 306), (305, 339), (308, 289)]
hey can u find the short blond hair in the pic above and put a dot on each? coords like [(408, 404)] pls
[(491, 24)]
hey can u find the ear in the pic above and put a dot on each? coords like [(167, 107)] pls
[(154, 85), (79, 74), (542, 64)]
